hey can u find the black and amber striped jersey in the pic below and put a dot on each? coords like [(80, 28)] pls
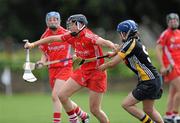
[(136, 57)]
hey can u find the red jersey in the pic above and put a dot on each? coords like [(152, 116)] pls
[(170, 41), (85, 47), (56, 50)]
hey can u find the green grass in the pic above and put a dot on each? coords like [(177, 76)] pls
[(37, 108)]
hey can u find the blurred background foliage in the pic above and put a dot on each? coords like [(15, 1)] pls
[(25, 19)]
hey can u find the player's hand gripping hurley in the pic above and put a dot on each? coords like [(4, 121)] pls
[(28, 75), (167, 70)]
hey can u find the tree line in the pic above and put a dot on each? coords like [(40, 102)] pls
[(26, 18)]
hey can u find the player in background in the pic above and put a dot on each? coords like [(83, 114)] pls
[(59, 72), (135, 56), (168, 52), (86, 45)]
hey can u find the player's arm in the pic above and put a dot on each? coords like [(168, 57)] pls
[(115, 60), (43, 58), (40, 63), (106, 43), (159, 51), (47, 40), (163, 69), (42, 41), (120, 56)]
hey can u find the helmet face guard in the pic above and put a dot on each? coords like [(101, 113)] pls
[(128, 27), (78, 19), (172, 20), (69, 24), (53, 20)]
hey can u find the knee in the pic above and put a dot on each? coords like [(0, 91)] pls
[(54, 97), (124, 105), (63, 97), (94, 110)]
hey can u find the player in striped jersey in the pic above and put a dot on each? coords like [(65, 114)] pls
[(135, 56)]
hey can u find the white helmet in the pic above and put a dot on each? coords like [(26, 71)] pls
[(173, 24), (53, 25)]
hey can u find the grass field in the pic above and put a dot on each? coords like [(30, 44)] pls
[(37, 108)]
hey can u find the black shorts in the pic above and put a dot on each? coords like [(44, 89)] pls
[(151, 89)]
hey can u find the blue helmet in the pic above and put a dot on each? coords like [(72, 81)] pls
[(53, 14), (128, 26)]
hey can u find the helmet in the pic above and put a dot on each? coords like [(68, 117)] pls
[(128, 26), (78, 18), (172, 16), (53, 14)]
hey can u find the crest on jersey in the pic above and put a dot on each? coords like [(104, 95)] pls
[(172, 39)]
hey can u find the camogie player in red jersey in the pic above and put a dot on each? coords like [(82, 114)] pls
[(59, 72), (168, 49), (86, 45)]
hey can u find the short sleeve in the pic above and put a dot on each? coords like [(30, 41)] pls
[(92, 37), (66, 37)]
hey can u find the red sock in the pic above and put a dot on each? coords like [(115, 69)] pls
[(169, 113), (175, 112), (80, 113), (56, 117), (72, 116)]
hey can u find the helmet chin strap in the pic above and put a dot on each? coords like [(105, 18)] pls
[(125, 37), (78, 26)]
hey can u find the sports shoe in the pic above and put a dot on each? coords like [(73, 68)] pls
[(86, 120), (176, 119), (168, 119)]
